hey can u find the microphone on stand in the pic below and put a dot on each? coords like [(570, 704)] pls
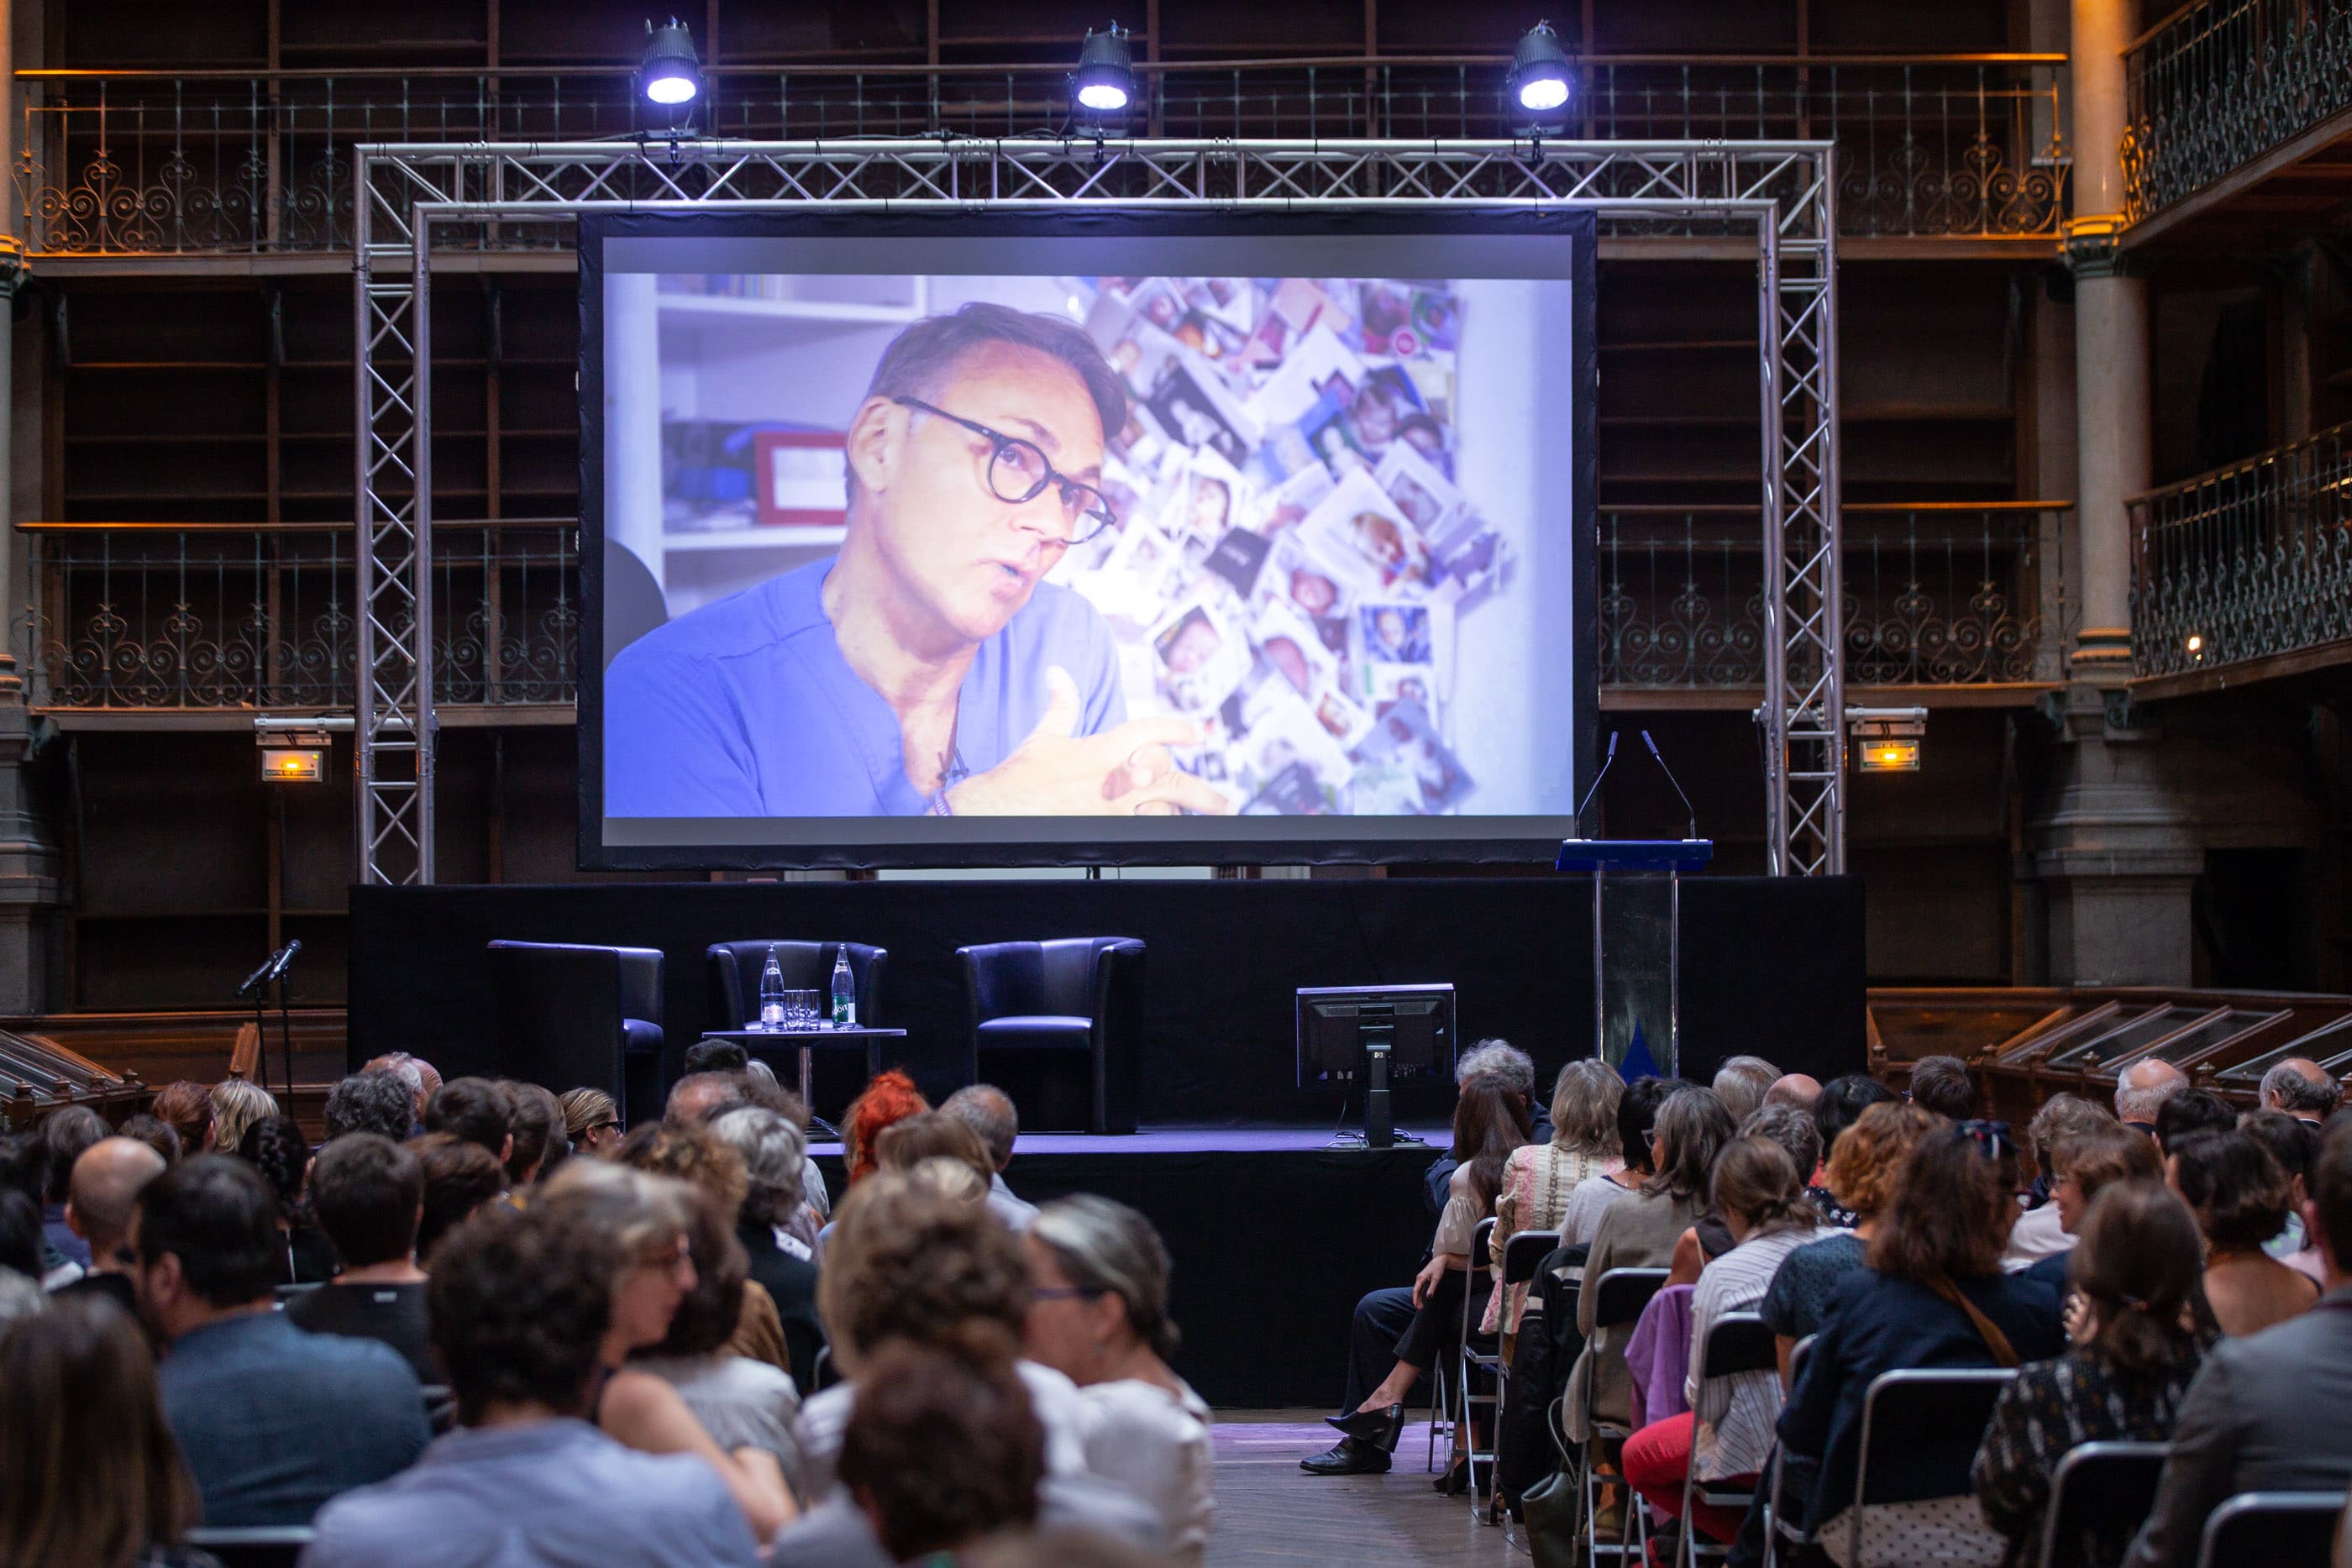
[(1578, 817), (270, 968), (1661, 760), (283, 959)]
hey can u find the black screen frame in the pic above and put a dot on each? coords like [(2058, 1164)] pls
[(1576, 228)]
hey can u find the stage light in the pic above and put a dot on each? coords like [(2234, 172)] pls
[(294, 750), (671, 74), (2196, 647), (1887, 739), (1104, 82), (1540, 71)]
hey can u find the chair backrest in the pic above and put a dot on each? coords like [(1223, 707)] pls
[(2271, 1529), (289, 1293), (440, 1406), (1057, 979), (1901, 1404), (2099, 1492), (1737, 1343), (1474, 1295), (559, 1007), (1523, 1253), (1619, 1296), (735, 967), (254, 1546)]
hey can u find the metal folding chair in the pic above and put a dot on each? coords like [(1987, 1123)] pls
[(2271, 1529), (1618, 1298), (1735, 1343), (1476, 1352), (1777, 1526), (2098, 1488), (256, 1546), (1522, 1254), (1918, 1399)]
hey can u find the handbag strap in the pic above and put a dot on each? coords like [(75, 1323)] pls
[(1989, 1331)]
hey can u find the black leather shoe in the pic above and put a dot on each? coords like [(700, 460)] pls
[(1350, 1458), (1378, 1428), (1455, 1481)]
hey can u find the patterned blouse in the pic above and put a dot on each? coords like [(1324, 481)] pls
[(2052, 1408), (1537, 1185)]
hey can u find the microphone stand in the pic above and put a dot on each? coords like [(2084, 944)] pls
[(285, 1036)]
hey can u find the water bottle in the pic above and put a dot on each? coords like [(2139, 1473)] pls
[(845, 991), (772, 993)]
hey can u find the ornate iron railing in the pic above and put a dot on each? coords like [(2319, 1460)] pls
[(2220, 83), (156, 162), (2246, 562), (1935, 596), (196, 616)]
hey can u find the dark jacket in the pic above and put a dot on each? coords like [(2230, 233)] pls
[(791, 1282)]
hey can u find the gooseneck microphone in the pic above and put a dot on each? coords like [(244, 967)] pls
[(1660, 759), (1594, 787)]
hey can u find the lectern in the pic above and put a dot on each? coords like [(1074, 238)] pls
[(1636, 978)]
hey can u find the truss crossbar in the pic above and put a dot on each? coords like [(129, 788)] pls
[(418, 200)]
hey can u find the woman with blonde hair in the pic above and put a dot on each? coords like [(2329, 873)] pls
[(590, 1120), (1539, 1178), (237, 1105)]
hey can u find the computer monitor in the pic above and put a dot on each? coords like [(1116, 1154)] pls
[(1379, 1034)]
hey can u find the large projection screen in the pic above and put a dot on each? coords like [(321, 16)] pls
[(1120, 537)]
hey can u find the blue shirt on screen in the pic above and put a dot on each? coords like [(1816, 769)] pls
[(746, 708)]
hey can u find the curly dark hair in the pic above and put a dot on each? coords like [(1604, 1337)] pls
[(519, 1304), (275, 1146), (2236, 1190), (942, 1449), (460, 1176), (377, 1102), (695, 1155), (906, 1261)]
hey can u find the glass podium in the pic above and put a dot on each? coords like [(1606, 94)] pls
[(1636, 914)]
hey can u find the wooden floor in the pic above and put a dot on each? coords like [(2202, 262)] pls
[(1269, 1511)]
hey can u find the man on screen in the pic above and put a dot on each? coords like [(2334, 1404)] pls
[(927, 667)]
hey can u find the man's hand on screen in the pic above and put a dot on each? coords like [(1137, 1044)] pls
[(1120, 772)]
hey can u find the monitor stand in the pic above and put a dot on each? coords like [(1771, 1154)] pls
[(1379, 1120)]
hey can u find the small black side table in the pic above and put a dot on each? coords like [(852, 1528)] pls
[(758, 1042)]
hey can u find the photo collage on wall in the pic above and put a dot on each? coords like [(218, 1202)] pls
[(1292, 555)]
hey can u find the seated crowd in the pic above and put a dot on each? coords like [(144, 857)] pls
[(664, 1344), (2149, 1274)]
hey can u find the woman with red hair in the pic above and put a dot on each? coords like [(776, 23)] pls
[(890, 1098)]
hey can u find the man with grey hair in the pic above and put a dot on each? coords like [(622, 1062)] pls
[(773, 1155), (1501, 1062), (381, 1101), (2143, 1086), (988, 1111), (1741, 1083), (2302, 1088)]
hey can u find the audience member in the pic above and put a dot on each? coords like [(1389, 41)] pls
[(2085, 1165), (155, 1133), (380, 1102), (2302, 1088), (460, 1178), (989, 1110), (236, 1104), (477, 1110), (1098, 1315), (25, 1171), (2266, 1411), (889, 1098), (2240, 1197), (1711, 1238), (1741, 1083), (2041, 1231), (1514, 1071), (2142, 1088), (591, 1121), (691, 1152), (1941, 1085), (1801, 1090), (535, 1126), (369, 1193), (2294, 1142), (935, 1135), (648, 1218), (275, 1146), (101, 1197), (940, 1452), (66, 1133), (1933, 1295), (2189, 1112), (423, 1080), (1539, 1178), (187, 1109), (20, 1257), (2123, 1378), (89, 1476), (272, 1421), (1842, 1103), (521, 1306), (1726, 1434), (1862, 1172), (1637, 1115), (699, 1097), (1396, 1333), (716, 1056), (772, 1154)]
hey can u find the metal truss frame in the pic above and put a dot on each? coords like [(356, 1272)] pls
[(417, 201)]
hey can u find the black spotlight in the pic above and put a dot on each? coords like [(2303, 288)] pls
[(1104, 82), (1539, 70), (671, 76)]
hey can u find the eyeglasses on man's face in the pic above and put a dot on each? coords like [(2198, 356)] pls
[(1018, 473)]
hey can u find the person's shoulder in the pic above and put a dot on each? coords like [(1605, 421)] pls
[(745, 623), (368, 1362)]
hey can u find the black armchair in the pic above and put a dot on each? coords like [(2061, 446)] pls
[(735, 969), (1060, 1023), (574, 1017)]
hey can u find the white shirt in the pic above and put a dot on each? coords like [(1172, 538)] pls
[(2036, 1235), (1158, 1445), (824, 1416), (1002, 1202)]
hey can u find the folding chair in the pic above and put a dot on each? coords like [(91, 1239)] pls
[(440, 1407), (1477, 1352), (1618, 1298), (1521, 1256), (1735, 1342), (254, 1546), (2271, 1529), (1777, 1526), (1901, 1404), (2098, 1489)]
